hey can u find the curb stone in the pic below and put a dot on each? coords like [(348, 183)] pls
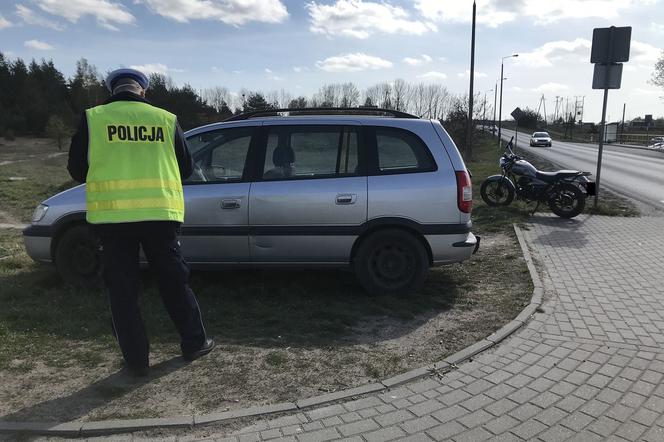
[(450, 362)]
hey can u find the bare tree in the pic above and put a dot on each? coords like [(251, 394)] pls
[(350, 95), (373, 95), (217, 97), (401, 92), (418, 105)]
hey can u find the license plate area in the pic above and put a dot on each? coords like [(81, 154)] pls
[(590, 188)]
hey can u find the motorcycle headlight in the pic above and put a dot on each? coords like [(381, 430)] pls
[(39, 213)]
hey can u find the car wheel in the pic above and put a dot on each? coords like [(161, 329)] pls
[(391, 262), (77, 257)]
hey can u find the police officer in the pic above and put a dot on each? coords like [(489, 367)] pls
[(133, 156)]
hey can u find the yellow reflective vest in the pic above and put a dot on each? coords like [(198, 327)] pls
[(133, 172)]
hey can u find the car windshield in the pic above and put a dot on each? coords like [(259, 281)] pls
[(540, 134)]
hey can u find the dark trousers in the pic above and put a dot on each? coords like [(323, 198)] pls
[(120, 258)]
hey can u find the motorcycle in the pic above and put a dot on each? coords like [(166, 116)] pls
[(564, 191)]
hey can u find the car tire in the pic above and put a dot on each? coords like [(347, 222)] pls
[(77, 257), (391, 262)]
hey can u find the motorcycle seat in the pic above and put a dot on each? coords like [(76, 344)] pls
[(551, 176)]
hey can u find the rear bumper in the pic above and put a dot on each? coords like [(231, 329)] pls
[(447, 249)]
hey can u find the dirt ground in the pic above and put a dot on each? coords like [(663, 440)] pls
[(55, 386)]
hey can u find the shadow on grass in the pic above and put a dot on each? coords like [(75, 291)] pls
[(81, 402), (248, 307)]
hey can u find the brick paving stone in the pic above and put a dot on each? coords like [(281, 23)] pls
[(357, 427), (475, 418), (557, 433), (445, 431), (476, 434), (389, 433), (393, 417), (319, 436), (501, 424), (426, 407), (529, 429), (418, 425)]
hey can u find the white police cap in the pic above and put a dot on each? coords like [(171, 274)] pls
[(117, 74)]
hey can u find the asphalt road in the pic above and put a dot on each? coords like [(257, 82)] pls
[(636, 173)]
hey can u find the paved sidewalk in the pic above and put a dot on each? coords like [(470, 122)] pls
[(590, 367)]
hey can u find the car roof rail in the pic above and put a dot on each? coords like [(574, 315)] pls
[(362, 110)]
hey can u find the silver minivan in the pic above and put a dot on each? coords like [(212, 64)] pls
[(385, 194)]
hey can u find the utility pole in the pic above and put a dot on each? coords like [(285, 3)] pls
[(622, 125), (544, 104), (500, 110), (495, 102), (469, 140)]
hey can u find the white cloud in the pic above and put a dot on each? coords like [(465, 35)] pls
[(546, 11), (217, 69), (556, 52), (643, 52), (642, 91), (467, 74), (277, 78), (4, 23), (155, 68), (551, 87), (268, 70), (30, 17), (353, 63), (657, 27), (433, 75), (106, 12), (455, 11), (494, 13), (231, 12), (417, 61), (38, 45), (238, 72), (299, 69), (360, 19)]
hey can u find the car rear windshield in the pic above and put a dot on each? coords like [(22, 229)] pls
[(540, 134)]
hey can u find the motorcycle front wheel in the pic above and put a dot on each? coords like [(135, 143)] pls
[(567, 201), (497, 192)]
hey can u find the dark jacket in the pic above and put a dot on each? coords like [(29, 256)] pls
[(78, 150)]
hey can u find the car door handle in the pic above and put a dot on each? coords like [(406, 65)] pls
[(346, 198), (230, 204)]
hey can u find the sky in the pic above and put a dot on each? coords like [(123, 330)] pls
[(300, 45)]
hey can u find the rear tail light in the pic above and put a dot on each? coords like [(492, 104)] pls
[(464, 192)]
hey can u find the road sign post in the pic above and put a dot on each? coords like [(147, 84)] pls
[(610, 48), (516, 114)]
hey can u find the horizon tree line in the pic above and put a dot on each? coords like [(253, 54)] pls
[(36, 99)]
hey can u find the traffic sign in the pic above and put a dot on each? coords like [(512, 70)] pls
[(611, 45)]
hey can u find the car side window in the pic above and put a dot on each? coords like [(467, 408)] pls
[(401, 151), (220, 155), (296, 152)]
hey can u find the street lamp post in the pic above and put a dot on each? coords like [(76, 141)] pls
[(495, 103), (500, 109), (484, 115)]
